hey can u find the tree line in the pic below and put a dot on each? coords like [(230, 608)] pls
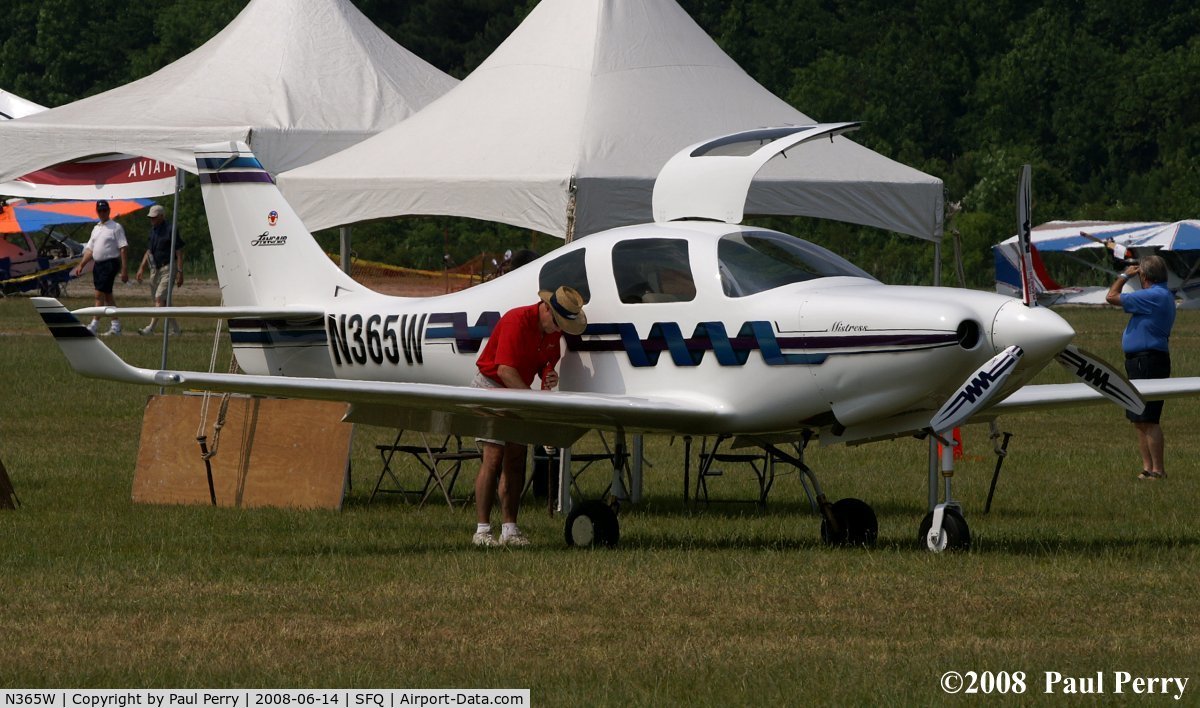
[(1099, 96)]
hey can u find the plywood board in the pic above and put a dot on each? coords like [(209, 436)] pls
[(269, 452)]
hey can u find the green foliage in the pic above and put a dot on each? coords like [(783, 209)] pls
[(1100, 97)]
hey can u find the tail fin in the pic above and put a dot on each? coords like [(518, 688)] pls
[(84, 351), (264, 254)]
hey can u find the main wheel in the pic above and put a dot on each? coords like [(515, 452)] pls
[(592, 523), (955, 535), (856, 522)]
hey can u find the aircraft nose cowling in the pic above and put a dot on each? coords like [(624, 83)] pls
[(1041, 333)]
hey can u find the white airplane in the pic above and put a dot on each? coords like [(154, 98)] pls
[(696, 326)]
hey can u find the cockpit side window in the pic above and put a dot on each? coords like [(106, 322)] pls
[(653, 270), (568, 270), (753, 261)]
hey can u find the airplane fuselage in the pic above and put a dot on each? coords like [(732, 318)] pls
[(679, 311)]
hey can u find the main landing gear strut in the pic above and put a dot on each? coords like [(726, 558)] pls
[(594, 522), (846, 522)]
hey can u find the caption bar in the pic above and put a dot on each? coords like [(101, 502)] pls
[(262, 698)]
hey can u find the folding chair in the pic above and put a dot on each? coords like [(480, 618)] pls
[(442, 464), (761, 464)]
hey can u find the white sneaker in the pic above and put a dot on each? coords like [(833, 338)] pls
[(484, 539), (514, 539), (92, 326), (114, 331), (146, 331)]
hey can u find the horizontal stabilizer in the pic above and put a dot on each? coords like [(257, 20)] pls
[(84, 351), (1043, 396)]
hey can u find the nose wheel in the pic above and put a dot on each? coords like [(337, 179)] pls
[(944, 529)]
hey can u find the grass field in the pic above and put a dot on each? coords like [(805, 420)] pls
[(1079, 568)]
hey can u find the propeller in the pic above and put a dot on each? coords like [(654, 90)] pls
[(1102, 377), (977, 390), (1085, 366)]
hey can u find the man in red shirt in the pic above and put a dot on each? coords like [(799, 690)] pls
[(524, 344)]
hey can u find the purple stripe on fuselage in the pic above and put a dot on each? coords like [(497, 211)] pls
[(234, 177), (842, 343), (867, 340)]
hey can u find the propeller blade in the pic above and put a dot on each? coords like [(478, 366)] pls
[(1098, 374), (1025, 236), (977, 390)]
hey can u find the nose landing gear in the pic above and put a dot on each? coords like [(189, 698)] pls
[(944, 528)]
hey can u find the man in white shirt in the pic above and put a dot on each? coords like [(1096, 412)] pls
[(106, 250)]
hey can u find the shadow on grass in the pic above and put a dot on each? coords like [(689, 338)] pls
[(1091, 547)]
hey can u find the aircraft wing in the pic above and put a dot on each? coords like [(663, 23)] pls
[(540, 417), (1041, 396), (214, 312)]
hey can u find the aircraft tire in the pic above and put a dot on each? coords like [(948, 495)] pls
[(856, 521), (591, 524), (956, 535)]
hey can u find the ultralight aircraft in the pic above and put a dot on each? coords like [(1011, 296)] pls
[(696, 325)]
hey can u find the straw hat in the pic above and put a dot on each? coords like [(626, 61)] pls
[(566, 304)]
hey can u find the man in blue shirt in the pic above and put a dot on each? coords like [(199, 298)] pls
[(1147, 356), (158, 260)]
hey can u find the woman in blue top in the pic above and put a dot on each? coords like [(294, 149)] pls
[(1147, 356)]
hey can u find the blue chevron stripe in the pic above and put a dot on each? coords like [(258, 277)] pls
[(466, 339)]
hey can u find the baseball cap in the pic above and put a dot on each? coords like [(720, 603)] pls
[(156, 210), (101, 204)]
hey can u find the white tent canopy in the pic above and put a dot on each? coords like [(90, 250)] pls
[(598, 94), (296, 79)]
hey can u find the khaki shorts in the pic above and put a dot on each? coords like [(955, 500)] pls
[(160, 277), (481, 381)]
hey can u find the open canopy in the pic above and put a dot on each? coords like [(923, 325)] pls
[(296, 79), (13, 106), (574, 115)]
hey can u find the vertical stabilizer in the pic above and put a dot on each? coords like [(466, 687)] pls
[(264, 254)]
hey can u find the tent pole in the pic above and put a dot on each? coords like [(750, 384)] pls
[(166, 323), (934, 458), (344, 232), (937, 263), (569, 236)]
